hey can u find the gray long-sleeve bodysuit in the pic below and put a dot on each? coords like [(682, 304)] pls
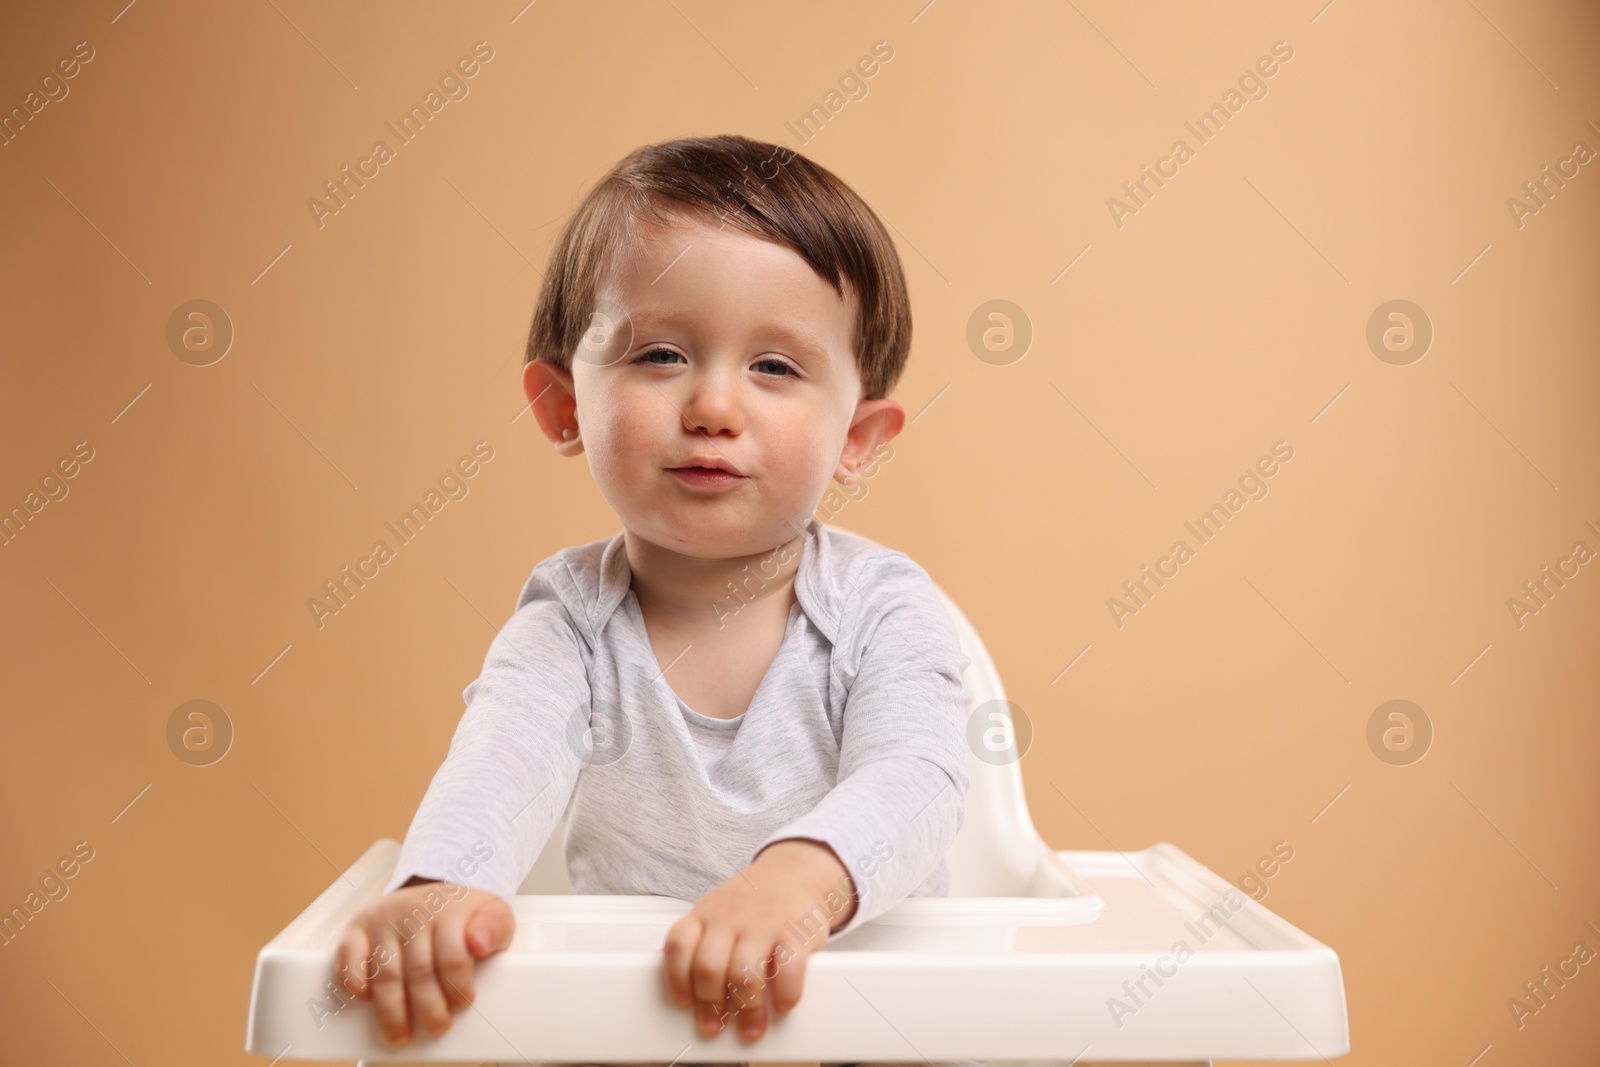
[(855, 738)]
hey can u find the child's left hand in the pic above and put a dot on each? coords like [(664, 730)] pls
[(737, 950)]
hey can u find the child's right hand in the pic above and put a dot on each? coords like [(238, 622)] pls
[(414, 960)]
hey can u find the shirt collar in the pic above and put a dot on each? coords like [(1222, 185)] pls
[(812, 590)]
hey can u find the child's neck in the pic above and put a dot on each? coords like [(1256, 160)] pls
[(673, 587)]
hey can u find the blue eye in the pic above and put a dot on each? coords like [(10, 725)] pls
[(788, 371)]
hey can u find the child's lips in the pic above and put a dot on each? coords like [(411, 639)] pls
[(706, 477)]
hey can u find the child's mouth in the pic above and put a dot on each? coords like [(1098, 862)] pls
[(706, 477)]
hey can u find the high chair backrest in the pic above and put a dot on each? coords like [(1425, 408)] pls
[(996, 851)]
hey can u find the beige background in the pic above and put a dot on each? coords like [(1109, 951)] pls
[(1229, 313)]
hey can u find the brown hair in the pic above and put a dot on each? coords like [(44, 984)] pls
[(768, 191)]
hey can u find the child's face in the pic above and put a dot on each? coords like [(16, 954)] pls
[(739, 352)]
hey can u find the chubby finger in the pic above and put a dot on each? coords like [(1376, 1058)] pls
[(353, 969), (683, 938), (388, 987), (428, 1005), (452, 961), (708, 971), (749, 972), (490, 928), (783, 990)]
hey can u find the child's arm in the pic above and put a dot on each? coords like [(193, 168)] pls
[(904, 760), (490, 808), (904, 768), (514, 757)]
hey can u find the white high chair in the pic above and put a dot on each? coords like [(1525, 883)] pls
[(1037, 957)]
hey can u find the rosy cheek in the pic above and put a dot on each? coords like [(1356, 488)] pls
[(626, 447), (633, 444), (635, 418)]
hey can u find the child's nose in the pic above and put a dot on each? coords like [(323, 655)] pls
[(713, 405)]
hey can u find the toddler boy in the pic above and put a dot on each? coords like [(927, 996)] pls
[(732, 703)]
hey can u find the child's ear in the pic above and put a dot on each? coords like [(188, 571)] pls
[(876, 423), (555, 404)]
